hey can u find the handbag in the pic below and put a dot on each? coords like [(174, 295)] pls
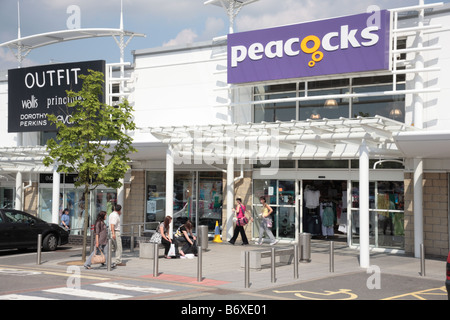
[(98, 258), (241, 221), (156, 238), (269, 222)]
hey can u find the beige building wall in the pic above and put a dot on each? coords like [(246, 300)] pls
[(435, 213), (243, 190), (31, 199), (134, 198)]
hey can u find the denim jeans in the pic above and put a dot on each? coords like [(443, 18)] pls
[(104, 249)]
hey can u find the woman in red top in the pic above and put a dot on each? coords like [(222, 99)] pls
[(240, 213)]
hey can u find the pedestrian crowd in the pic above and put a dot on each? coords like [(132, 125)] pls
[(182, 245)]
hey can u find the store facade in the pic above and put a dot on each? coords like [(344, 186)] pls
[(317, 160), (329, 148)]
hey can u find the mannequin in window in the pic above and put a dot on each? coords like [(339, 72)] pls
[(312, 197), (312, 222)]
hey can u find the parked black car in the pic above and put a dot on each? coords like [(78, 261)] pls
[(20, 230)]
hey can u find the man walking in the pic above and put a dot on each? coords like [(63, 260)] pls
[(114, 223)]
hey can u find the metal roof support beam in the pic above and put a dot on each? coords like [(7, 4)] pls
[(55, 194), (169, 184)]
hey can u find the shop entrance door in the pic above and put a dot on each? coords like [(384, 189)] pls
[(323, 208)]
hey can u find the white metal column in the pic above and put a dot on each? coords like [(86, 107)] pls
[(169, 184), (418, 206), (55, 195), (19, 189), (418, 123), (364, 205), (230, 197)]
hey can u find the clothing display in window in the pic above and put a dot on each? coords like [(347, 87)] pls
[(311, 197), (327, 214), (312, 223)]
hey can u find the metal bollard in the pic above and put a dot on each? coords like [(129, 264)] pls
[(331, 256), (92, 240), (108, 262), (247, 269), (422, 260), (155, 260), (132, 239), (272, 262), (305, 246), (39, 249), (296, 261), (199, 265)]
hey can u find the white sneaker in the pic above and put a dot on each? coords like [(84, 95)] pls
[(274, 242)]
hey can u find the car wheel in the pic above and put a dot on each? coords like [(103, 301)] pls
[(50, 242)]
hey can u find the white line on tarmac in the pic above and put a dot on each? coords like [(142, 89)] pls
[(115, 285), (88, 293), (21, 297)]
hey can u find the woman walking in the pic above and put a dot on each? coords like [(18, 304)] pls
[(240, 214), (101, 239), (265, 222)]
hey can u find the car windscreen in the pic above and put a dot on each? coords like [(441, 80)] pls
[(18, 217)]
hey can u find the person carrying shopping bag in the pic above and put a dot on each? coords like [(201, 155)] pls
[(266, 222), (101, 239), (241, 221)]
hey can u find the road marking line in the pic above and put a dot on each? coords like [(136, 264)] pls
[(115, 285), (420, 294), (88, 293), (62, 274), (18, 272), (22, 297), (326, 295)]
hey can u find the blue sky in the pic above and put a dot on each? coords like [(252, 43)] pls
[(165, 23)]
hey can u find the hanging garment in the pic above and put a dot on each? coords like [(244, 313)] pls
[(327, 215), (312, 198)]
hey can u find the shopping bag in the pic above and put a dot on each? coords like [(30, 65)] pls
[(172, 250), (98, 258)]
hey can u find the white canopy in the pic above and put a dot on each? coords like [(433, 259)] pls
[(311, 139), (44, 39)]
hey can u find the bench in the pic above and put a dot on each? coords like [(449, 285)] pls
[(147, 250), (286, 255)]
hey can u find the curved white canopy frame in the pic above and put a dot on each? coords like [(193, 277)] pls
[(21, 47)]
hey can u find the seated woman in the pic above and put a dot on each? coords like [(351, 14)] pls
[(166, 240), (186, 240)]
